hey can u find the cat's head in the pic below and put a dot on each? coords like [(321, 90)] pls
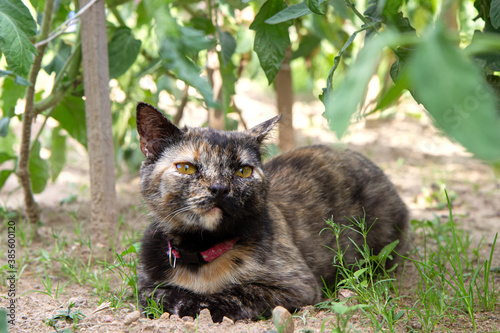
[(201, 179)]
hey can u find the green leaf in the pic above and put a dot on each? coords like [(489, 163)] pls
[(271, 41), (228, 46), (185, 69), (10, 94), (173, 51), (60, 58), (38, 169), (291, 13), (19, 80), (342, 103), (4, 175), (57, 153), (313, 5), (4, 126), (387, 250), (16, 25), (458, 98), (70, 114), (495, 13), (123, 50), (194, 40)]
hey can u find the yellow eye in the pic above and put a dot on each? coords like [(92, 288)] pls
[(185, 168), (244, 172)]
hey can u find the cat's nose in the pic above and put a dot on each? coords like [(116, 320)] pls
[(219, 190)]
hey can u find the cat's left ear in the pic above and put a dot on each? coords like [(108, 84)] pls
[(261, 131)]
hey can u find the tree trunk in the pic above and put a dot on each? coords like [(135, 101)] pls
[(98, 115), (284, 97)]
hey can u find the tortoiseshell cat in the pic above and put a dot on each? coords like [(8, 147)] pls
[(238, 237)]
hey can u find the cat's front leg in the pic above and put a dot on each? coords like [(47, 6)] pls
[(236, 302)]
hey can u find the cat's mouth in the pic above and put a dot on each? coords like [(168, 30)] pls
[(211, 218)]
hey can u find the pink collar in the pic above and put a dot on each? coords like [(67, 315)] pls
[(199, 258)]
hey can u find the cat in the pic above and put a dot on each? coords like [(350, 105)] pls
[(239, 237)]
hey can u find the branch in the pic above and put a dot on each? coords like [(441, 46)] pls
[(32, 208), (65, 25), (180, 109)]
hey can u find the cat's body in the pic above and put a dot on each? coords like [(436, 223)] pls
[(264, 224)]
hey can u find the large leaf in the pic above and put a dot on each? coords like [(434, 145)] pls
[(123, 50), (454, 92), (16, 25), (271, 41), (341, 104), (57, 153), (70, 114), (173, 51), (38, 169)]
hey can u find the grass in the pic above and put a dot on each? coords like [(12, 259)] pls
[(453, 282)]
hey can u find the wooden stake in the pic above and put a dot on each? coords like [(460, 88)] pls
[(98, 114)]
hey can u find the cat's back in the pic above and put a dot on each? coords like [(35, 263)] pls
[(312, 184)]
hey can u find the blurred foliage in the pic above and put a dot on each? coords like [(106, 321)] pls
[(446, 54)]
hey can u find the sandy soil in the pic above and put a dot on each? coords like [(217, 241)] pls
[(416, 157)]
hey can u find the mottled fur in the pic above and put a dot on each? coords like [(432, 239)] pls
[(277, 213)]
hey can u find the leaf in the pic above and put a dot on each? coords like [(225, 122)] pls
[(271, 41), (19, 80), (185, 69), (38, 169), (290, 13), (57, 153), (60, 58), (194, 40), (4, 126), (387, 250), (228, 46), (342, 103), (458, 98), (70, 114), (16, 25), (495, 13), (173, 51), (10, 94), (4, 175), (313, 5), (123, 50)]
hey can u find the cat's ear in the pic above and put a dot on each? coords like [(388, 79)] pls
[(155, 130), (261, 131)]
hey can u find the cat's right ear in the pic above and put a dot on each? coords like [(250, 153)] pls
[(155, 130)]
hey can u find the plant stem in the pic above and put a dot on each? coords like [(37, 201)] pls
[(32, 208), (359, 15)]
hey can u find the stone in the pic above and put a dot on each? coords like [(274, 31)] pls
[(283, 320), (131, 317)]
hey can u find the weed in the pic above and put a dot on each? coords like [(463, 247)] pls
[(70, 315)]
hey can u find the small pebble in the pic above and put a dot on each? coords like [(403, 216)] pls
[(131, 317), (165, 316), (227, 321), (190, 328), (282, 319), (77, 301), (107, 319), (174, 317), (188, 319), (205, 317)]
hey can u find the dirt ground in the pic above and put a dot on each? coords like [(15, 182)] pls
[(416, 157)]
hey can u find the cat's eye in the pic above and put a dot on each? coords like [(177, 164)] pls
[(244, 172), (185, 168)]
